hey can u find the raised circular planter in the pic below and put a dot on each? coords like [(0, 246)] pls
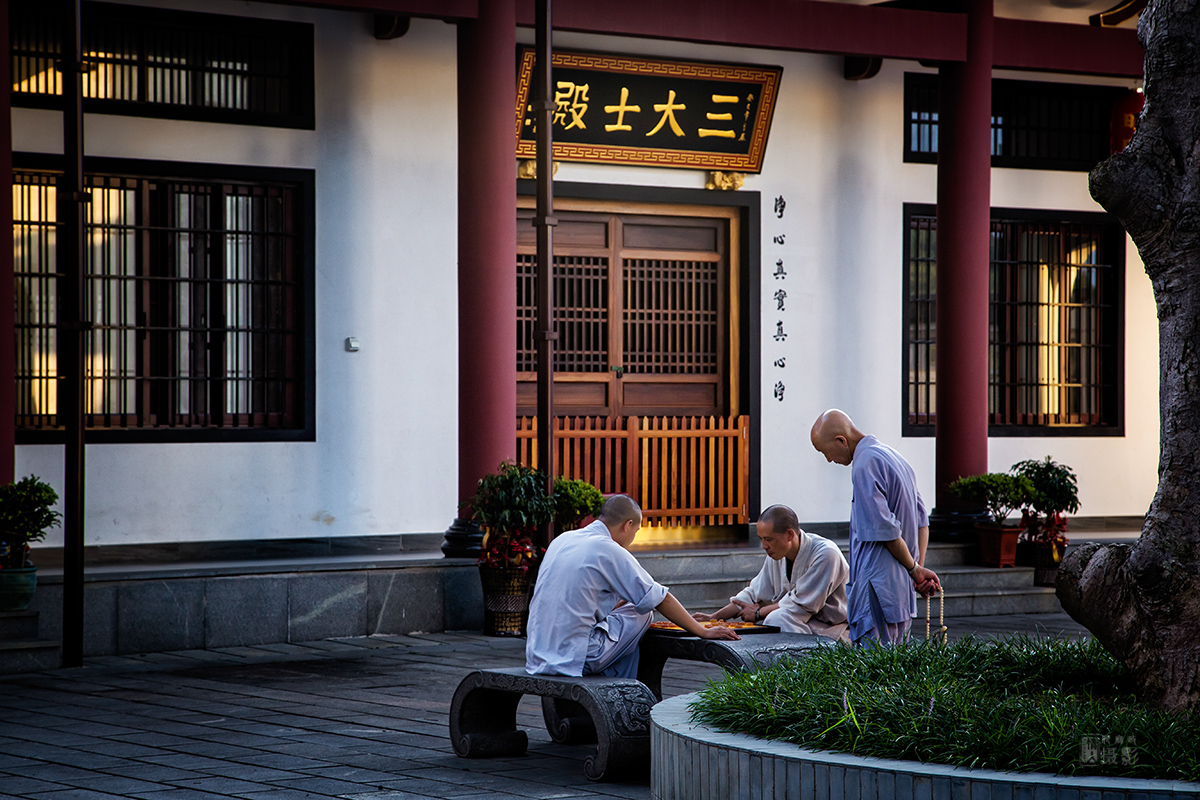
[(693, 762)]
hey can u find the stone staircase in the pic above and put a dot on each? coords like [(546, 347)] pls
[(704, 580), (20, 648)]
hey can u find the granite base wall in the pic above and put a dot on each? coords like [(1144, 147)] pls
[(693, 762), (161, 612)]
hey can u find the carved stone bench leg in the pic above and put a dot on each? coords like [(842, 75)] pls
[(622, 719), (483, 722), (568, 722)]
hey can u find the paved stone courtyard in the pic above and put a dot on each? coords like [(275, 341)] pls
[(359, 719)]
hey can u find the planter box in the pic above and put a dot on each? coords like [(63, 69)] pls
[(998, 546)]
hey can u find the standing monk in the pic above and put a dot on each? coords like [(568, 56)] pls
[(889, 531)]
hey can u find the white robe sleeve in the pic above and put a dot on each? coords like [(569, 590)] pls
[(632, 583)]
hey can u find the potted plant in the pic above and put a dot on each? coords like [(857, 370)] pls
[(1000, 494), (26, 511), (510, 505), (575, 502), (1055, 491)]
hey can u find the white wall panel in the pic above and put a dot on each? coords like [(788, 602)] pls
[(385, 459)]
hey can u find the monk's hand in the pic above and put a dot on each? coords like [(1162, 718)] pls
[(719, 632), (748, 611), (926, 581), (702, 617)]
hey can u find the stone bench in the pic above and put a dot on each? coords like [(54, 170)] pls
[(613, 712)]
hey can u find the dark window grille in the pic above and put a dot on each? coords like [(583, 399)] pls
[(173, 64), (1035, 125), (1054, 323), (580, 313), (196, 293), (671, 316), (921, 322)]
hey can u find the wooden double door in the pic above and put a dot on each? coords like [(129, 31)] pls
[(645, 310)]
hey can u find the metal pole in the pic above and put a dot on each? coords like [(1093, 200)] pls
[(71, 334), (545, 222), (8, 347)]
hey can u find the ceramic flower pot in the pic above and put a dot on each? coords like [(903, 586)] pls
[(16, 588), (998, 545)]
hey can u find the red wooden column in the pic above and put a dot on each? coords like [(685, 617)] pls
[(963, 232), (8, 347), (487, 252)]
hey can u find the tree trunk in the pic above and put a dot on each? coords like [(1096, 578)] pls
[(1142, 601)]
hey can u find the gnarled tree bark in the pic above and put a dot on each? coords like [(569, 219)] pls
[(1142, 601)]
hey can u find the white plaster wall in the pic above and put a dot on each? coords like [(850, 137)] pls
[(835, 156), (385, 457)]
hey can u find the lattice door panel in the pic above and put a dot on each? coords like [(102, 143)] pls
[(581, 296), (671, 317)]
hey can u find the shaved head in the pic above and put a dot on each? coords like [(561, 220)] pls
[(780, 519), (620, 508), (835, 436)]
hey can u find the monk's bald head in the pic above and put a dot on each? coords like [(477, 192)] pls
[(622, 516), (835, 436), (620, 508)]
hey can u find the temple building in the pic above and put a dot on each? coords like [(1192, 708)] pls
[(309, 257)]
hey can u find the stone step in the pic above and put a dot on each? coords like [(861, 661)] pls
[(704, 580), (28, 655), (700, 595), (969, 578), (742, 563), (16, 625), (989, 602), (738, 564)]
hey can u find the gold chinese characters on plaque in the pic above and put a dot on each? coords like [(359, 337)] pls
[(630, 110)]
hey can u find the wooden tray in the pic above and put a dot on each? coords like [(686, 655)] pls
[(738, 631)]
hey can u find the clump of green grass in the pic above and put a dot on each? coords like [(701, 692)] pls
[(1020, 704)]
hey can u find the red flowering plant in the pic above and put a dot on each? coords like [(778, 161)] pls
[(1054, 491), (510, 505)]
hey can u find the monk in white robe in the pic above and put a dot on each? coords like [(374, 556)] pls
[(593, 601), (801, 587)]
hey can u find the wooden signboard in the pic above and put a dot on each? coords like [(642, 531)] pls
[(617, 109)]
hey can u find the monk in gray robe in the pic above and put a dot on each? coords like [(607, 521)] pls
[(801, 587)]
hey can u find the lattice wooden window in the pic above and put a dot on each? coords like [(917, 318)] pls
[(671, 317), (1035, 124), (195, 290), (1054, 323), (165, 63), (921, 323), (1050, 357), (580, 313)]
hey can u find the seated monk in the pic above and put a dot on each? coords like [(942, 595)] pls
[(802, 585), (593, 601)]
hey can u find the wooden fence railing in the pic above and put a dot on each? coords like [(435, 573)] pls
[(684, 471)]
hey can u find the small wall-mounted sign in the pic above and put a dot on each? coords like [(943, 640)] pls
[(630, 110)]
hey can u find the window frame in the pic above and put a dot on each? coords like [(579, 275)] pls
[(1005, 95), (299, 37), (1115, 243), (304, 429)]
